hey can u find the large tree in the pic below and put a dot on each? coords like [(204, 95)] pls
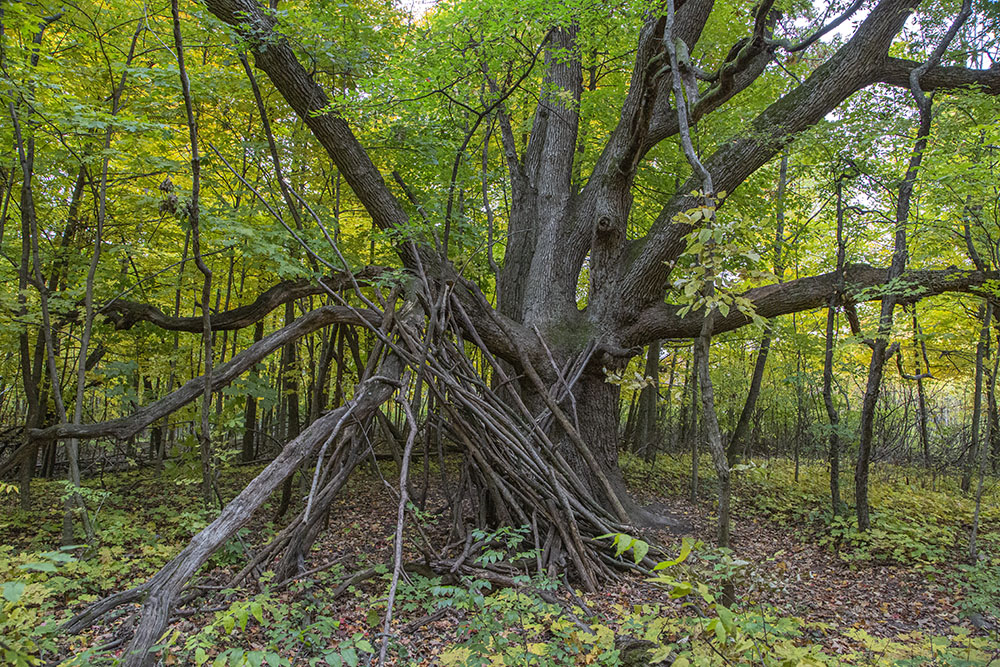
[(561, 222)]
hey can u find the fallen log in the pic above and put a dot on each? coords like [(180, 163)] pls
[(160, 592)]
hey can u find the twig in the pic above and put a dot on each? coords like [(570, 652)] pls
[(397, 566)]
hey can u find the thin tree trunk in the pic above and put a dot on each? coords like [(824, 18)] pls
[(972, 455), (694, 432), (290, 397), (171, 439), (881, 343), (249, 450), (668, 416), (831, 312), (714, 435), (205, 435), (799, 412), (743, 423), (982, 352), (648, 431), (925, 447), (31, 372)]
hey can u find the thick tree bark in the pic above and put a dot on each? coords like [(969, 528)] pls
[(663, 322)]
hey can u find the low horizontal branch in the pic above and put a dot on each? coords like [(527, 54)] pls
[(126, 314), (222, 375), (663, 321), (896, 72)]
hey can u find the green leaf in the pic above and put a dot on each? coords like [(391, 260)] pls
[(727, 618), (720, 630), (686, 545), (257, 609), (639, 550), (12, 590), (39, 567), (681, 588)]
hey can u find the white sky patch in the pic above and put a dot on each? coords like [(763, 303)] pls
[(844, 31), (416, 8)]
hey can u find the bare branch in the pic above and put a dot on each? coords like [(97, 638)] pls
[(126, 314)]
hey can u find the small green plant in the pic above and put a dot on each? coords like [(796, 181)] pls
[(515, 625), (32, 587), (979, 586)]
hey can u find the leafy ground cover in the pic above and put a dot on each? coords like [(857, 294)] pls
[(809, 589)]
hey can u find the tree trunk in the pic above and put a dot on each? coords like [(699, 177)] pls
[(694, 429), (925, 445), (290, 396), (250, 428), (649, 433), (982, 351), (972, 454), (714, 436), (743, 423), (881, 343)]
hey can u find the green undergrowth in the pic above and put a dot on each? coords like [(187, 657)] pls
[(919, 521), (142, 522), (913, 523), (492, 626)]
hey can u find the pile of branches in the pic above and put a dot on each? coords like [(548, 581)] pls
[(516, 464)]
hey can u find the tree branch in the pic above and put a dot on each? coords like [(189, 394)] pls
[(126, 427), (896, 72), (854, 66), (861, 283), (275, 57), (126, 314)]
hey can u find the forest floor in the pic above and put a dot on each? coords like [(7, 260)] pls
[(854, 611)]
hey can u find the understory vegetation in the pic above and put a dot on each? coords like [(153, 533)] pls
[(681, 615)]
